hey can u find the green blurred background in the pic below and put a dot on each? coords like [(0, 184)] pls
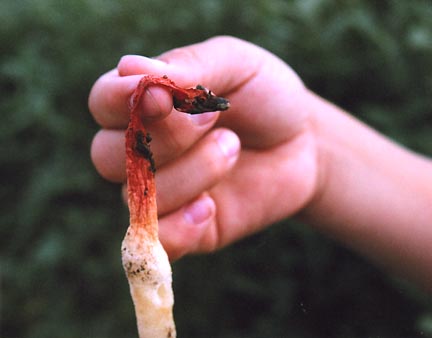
[(61, 225)]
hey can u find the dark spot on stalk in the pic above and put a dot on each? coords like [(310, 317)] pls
[(142, 146)]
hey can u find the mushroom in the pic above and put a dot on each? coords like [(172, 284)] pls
[(144, 259)]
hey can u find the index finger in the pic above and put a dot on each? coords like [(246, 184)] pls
[(109, 97)]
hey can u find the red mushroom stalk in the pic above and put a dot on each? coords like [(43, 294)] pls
[(144, 259)]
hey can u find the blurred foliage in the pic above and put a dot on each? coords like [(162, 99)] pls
[(61, 225)]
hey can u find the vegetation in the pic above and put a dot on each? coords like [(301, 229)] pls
[(61, 225)]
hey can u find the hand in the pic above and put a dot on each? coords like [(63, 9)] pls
[(211, 190), (298, 153)]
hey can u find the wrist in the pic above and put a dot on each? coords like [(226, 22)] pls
[(371, 194)]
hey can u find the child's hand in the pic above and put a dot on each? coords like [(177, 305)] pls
[(298, 153), (210, 190)]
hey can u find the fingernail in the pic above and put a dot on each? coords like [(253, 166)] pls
[(153, 109), (147, 103), (199, 211), (202, 119), (156, 62), (139, 59), (229, 143)]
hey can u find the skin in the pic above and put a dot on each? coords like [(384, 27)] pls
[(280, 151)]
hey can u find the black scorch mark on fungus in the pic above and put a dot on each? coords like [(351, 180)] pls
[(142, 146)]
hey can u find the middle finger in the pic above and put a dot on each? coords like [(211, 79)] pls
[(172, 136)]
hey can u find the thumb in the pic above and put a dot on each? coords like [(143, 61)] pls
[(218, 63), (265, 94)]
